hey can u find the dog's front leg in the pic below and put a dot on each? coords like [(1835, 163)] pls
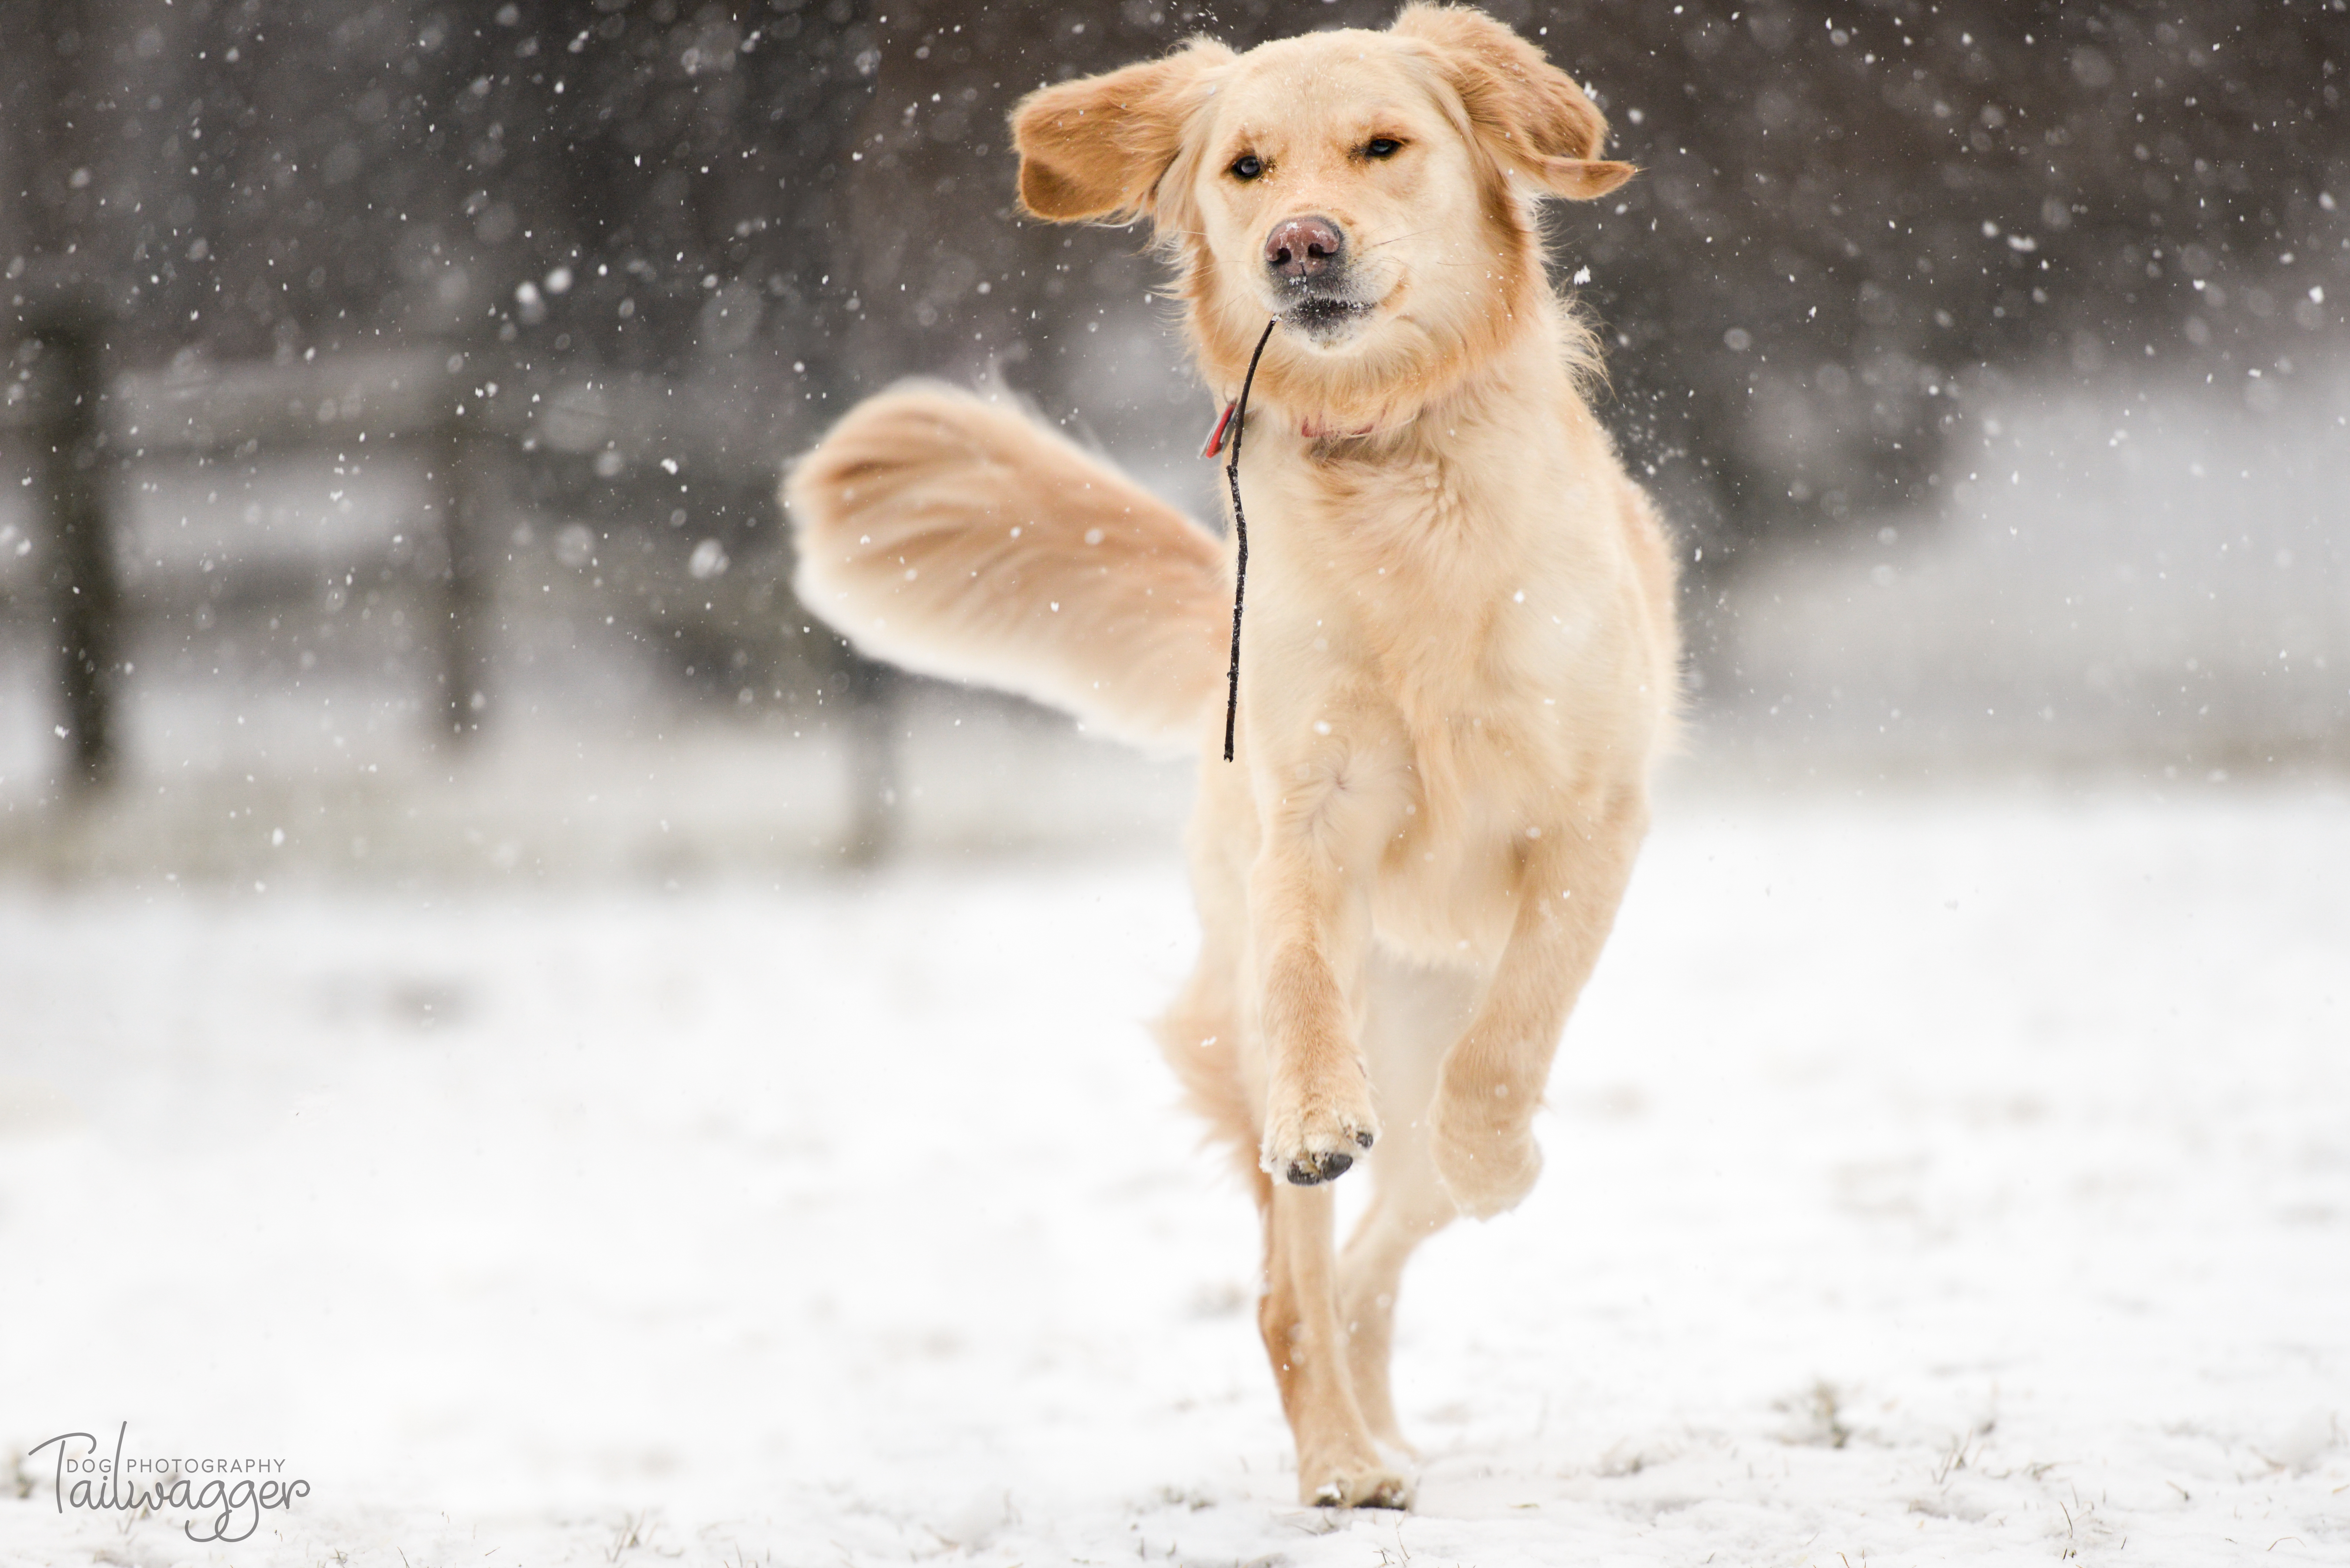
[(1571, 880), (1309, 930), (1309, 926)]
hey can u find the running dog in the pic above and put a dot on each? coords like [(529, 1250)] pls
[(1460, 663)]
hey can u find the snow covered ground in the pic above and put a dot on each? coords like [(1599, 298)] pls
[(1931, 1177)]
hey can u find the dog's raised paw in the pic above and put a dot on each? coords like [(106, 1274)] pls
[(1308, 1149), (1312, 1168), (1489, 1171)]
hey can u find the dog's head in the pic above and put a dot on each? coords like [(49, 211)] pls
[(1374, 191)]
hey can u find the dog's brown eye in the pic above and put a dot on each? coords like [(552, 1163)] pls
[(1248, 166), (1382, 147)]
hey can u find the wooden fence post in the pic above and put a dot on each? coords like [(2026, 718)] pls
[(875, 712), (84, 597), (464, 587)]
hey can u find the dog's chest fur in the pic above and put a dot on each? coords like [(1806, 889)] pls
[(1441, 612)]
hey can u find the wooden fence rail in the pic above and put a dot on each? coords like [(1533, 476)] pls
[(461, 415)]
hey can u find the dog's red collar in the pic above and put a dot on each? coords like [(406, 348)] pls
[(1306, 428), (1216, 437)]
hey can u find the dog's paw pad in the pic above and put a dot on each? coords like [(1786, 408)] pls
[(1315, 1168), (1319, 1141), (1306, 1160)]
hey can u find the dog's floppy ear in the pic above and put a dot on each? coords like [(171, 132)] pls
[(1100, 147), (1529, 110)]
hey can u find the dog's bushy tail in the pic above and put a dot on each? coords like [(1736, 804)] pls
[(958, 538)]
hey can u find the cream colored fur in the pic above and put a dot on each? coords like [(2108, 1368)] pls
[(985, 547), (1460, 656)]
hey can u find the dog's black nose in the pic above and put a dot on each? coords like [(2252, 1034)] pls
[(1303, 248)]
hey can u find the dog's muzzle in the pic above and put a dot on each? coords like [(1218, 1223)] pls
[(1308, 265)]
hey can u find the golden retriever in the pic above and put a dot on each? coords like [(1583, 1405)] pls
[(1459, 660)]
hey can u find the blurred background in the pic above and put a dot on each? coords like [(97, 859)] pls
[(397, 390)]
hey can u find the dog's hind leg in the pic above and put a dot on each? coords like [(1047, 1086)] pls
[(1411, 1014), (1202, 1032), (1338, 1463)]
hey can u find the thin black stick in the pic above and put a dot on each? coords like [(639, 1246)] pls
[(1240, 531)]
